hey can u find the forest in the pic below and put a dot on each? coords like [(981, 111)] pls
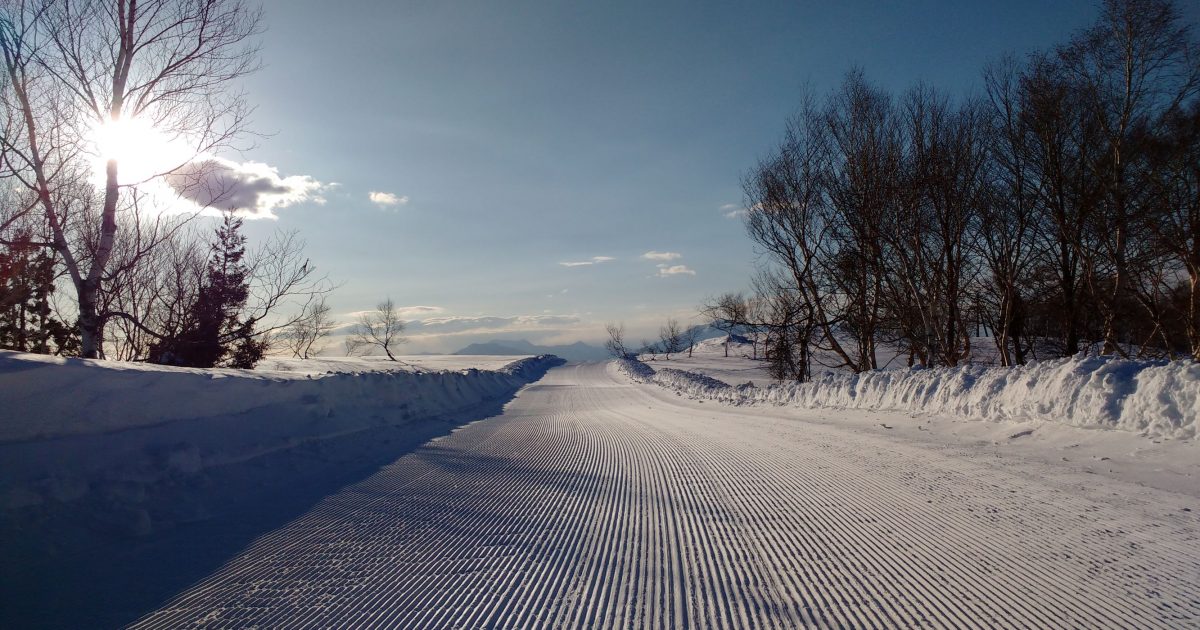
[(1055, 212)]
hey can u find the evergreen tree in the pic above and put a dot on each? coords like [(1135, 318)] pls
[(27, 323), (214, 333)]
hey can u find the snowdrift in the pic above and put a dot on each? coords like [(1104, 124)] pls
[(71, 426), (44, 397), (1156, 399)]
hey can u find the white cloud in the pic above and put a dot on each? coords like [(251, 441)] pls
[(419, 323), (417, 311), (458, 325), (674, 270), (653, 255), (734, 211), (737, 212), (596, 260), (252, 189), (386, 199), (405, 312)]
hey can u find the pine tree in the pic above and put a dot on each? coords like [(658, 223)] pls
[(214, 333), (27, 322)]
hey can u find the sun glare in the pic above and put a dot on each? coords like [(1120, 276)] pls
[(141, 151)]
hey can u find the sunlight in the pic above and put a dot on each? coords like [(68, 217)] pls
[(142, 152)]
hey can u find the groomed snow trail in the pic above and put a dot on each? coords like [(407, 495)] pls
[(594, 502)]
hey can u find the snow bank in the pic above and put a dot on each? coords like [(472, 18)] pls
[(73, 427), (1156, 399), (44, 397)]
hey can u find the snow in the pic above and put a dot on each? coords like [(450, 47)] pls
[(143, 424), (596, 502), (95, 455), (107, 396), (583, 500), (1154, 399)]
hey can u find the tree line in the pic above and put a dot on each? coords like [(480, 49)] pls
[(1058, 211)]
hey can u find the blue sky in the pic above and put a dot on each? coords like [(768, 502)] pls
[(520, 135)]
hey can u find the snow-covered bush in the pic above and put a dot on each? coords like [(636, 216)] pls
[(635, 369)]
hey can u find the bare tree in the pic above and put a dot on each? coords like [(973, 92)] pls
[(670, 337), (1008, 220), (284, 282), (1132, 70), (381, 327), (304, 337), (616, 341), (929, 261), (727, 313), (690, 336), (862, 170), (150, 294), (73, 67), (352, 346), (1058, 210), (1176, 153), (150, 298)]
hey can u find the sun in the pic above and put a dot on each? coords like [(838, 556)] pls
[(142, 152)]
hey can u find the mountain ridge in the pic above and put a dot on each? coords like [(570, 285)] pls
[(578, 351)]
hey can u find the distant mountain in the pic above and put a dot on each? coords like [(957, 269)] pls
[(577, 351)]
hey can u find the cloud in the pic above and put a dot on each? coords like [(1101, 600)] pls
[(252, 189), (416, 311), (653, 255), (386, 199), (405, 312), (734, 211), (449, 333), (596, 260), (674, 270), (418, 323), (457, 325), (737, 212)]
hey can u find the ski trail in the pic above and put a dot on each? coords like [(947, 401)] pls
[(593, 502)]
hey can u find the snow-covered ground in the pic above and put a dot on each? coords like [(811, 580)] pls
[(104, 464), (590, 499), (595, 501), (106, 396), (708, 357), (1158, 400), (1128, 420)]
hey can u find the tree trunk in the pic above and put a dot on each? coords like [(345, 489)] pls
[(90, 324), (1193, 326)]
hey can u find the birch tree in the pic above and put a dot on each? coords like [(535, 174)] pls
[(77, 67)]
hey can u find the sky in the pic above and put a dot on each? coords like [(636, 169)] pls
[(527, 169)]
